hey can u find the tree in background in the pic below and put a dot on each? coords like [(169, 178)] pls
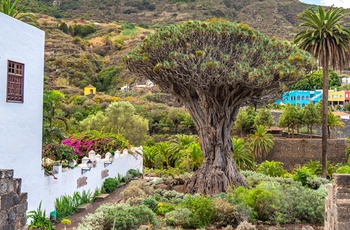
[(311, 117), (54, 123), (261, 142), (326, 37), (213, 68), (314, 81), (264, 118), (120, 118), (245, 120), (291, 118)]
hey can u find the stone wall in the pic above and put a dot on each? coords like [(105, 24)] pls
[(13, 203), (293, 152), (337, 203)]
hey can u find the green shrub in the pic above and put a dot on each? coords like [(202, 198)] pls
[(179, 217), (120, 217), (164, 208), (271, 168), (134, 172), (303, 174), (202, 209), (133, 194), (151, 203), (344, 169), (38, 219), (110, 184), (263, 199), (225, 213), (315, 167), (128, 26)]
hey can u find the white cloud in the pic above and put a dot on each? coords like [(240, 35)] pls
[(336, 3)]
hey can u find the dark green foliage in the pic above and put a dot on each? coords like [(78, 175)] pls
[(110, 184), (347, 107), (134, 173), (151, 203), (128, 26), (39, 219), (63, 26), (107, 77), (314, 81), (83, 30)]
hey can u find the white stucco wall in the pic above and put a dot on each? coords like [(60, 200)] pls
[(66, 182), (21, 123)]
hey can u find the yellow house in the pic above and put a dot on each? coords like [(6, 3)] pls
[(336, 97), (89, 90)]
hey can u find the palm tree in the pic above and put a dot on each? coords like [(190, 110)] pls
[(328, 40), (13, 10), (333, 121), (261, 142)]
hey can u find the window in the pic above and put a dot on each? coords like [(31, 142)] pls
[(302, 98), (298, 98), (307, 97), (15, 79)]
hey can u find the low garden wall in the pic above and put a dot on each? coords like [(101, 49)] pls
[(293, 152), (68, 181), (337, 203)]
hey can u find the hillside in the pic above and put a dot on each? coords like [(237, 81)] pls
[(86, 39), (272, 17)]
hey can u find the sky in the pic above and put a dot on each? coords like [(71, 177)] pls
[(336, 3)]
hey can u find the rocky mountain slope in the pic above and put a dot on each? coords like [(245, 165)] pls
[(77, 58), (273, 17)]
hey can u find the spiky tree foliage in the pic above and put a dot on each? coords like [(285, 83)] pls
[(213, 68), (261, 142), (325, 36), (12, 9), (242, 154), (333, 122)]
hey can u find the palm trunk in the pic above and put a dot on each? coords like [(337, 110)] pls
[(324, 118), (218, 170)]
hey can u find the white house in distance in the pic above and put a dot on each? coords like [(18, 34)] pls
[(21, 101)]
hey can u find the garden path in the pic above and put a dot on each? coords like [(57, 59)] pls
[(113, 198)]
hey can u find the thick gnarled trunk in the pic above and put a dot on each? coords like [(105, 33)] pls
[(218, 170)]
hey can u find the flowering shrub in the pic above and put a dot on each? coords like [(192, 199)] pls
[(101, 143), (58, 152)]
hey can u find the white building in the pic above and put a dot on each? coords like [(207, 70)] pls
[(21, 96)]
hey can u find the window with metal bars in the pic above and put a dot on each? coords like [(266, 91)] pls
[(15, 80)]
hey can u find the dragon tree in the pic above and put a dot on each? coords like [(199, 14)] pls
[(213, 68)]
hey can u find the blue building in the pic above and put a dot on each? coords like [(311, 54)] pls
[(301, 97)]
